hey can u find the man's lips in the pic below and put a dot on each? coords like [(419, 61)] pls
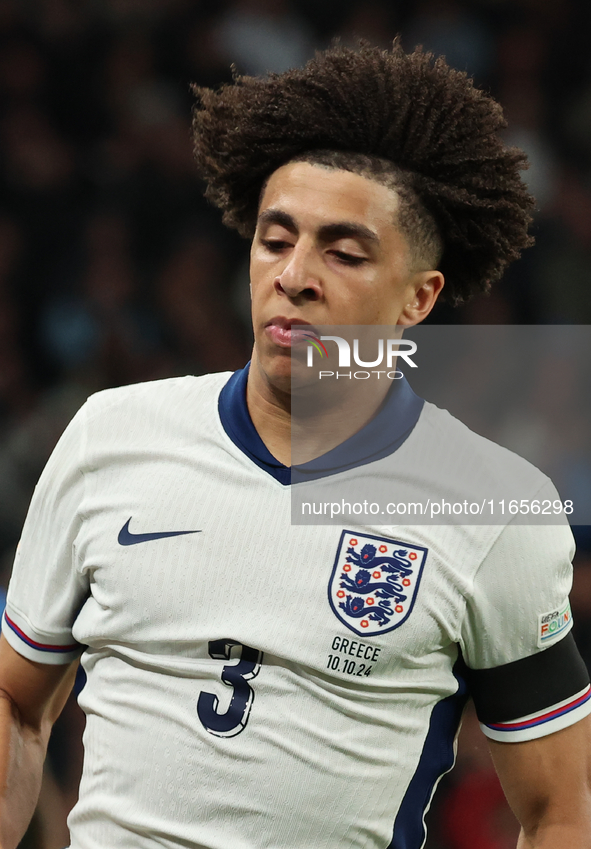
[(287, 332)]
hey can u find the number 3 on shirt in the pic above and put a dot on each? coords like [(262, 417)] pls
[(236, 675)]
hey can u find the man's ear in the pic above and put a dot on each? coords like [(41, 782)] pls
[(424, 287)]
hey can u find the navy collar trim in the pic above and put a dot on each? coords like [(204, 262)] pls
[(237, 423), (380, 437)]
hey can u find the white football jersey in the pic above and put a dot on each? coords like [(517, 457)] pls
[(252, 683)]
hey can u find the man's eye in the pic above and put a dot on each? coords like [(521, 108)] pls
[(349, 259), (274, 245)]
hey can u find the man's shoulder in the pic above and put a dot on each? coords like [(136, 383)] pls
[(154, 413), (157, 394), (471, 454)]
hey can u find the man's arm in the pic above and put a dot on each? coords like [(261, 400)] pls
[(548, 785), (32, 696)]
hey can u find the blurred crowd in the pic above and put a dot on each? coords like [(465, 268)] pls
[(113, 268)]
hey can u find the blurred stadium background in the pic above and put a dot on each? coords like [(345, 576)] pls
[(113, 269)]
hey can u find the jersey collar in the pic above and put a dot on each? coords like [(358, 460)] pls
[(380, 437)]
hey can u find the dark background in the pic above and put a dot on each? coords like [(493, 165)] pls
[(113, 269)]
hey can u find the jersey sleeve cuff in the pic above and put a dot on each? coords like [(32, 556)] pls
[(42, 648), (543, 722)]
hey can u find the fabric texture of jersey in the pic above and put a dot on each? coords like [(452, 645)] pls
[(227, 704)]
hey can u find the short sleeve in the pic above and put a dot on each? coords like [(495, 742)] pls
[(524, 671), (46, 591)]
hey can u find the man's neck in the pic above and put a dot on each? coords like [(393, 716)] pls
[(317, 428), (270, 411)]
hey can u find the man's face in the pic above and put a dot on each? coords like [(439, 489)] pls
[(326, 251)]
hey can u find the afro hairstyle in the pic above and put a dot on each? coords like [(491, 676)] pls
[(408, 120)]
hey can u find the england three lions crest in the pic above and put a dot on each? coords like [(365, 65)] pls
[(374, 582)]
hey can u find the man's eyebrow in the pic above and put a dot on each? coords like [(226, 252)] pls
[(277, 216), (346, 230), (326, 233)]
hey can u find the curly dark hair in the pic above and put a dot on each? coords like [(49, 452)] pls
[(406, 119)]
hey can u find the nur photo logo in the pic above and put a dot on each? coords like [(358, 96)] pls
[(389, 350)]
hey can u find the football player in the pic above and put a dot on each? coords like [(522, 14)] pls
[(241, 691)]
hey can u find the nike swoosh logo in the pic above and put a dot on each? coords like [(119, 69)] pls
[(127, 538)]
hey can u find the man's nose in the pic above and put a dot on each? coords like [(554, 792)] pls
[(301, 275)]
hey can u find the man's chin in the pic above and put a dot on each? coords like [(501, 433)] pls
[(303, 378), (288, 374)]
